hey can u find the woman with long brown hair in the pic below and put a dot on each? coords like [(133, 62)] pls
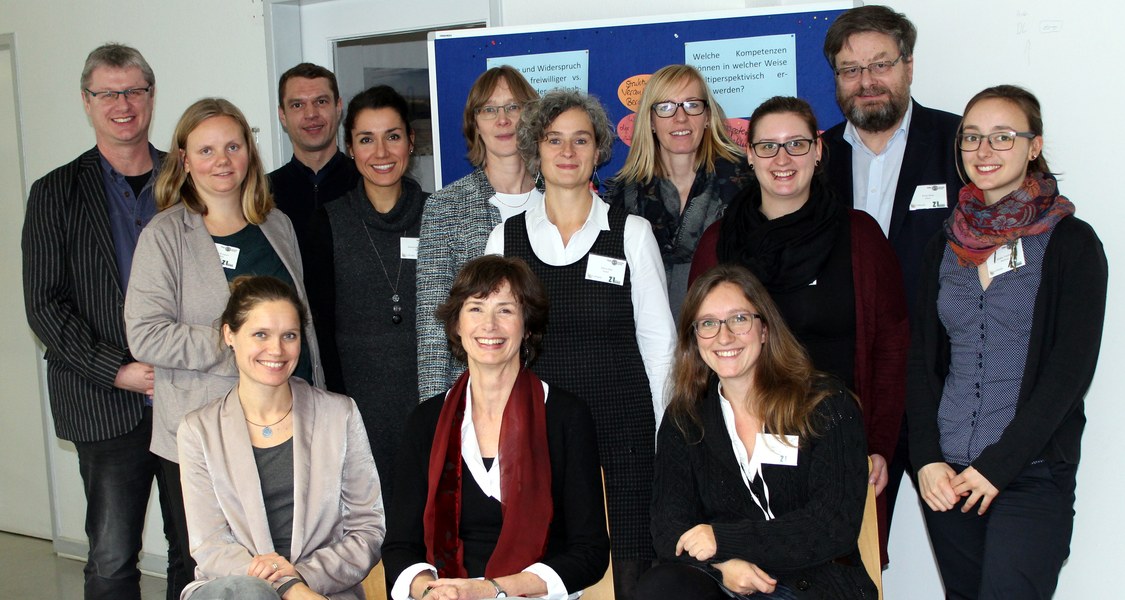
[(761, 460)]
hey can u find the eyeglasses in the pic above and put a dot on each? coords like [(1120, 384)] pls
[(738, 324), (110, 97), (692, 108), (998, 140), (489, 112), (794, 147), (881, 67)]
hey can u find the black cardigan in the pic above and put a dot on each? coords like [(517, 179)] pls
[(577, 545), (811, 547), (1065, 339)]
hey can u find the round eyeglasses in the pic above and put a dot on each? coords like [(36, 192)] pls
[(998, 140), (738, 324), (794, 147), (692, 108), (491, 113)]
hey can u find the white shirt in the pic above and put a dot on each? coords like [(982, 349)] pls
[(489, 482), (656, 332), (875, 176), (749, 467), (511, 205)]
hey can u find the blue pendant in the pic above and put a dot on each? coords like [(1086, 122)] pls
[(267, 432)]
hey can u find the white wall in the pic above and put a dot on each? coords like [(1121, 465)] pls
[(210, 47)]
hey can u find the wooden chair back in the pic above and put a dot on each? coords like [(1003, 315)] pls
[(869, 539)]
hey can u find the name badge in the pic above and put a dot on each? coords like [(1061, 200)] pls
[(769, 450), (929, 196), (228, 256), (408, 248), (1006, 258), (605, 269)]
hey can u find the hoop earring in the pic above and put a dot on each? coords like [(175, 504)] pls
[(525, 353)]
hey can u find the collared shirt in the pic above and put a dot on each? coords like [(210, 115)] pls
[(751, 467), (317, 177), (875, 176), (489, 481), (656, 332), (989, 331), (128, 213)]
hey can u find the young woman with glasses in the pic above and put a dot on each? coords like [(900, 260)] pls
[(682, 168), (833, 275), (761, 460), (1008, 328)]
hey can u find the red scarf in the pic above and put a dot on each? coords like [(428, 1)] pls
[(975, 229), (525, 483)]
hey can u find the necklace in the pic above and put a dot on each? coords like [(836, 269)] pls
[(267, 430), (518, 203), (396, 308)]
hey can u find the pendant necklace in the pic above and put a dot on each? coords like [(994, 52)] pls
[(396, 308), (267, 430)]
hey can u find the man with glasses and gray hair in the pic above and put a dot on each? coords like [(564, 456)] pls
[(80, 230), (892, 158)]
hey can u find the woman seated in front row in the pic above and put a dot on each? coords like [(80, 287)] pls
[(281, 493), (761, 463), (498, 491)]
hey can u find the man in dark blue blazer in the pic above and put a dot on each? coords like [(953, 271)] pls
[(81, 228), (892, 158)]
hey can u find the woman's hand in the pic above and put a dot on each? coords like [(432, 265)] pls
[(698, 542), (878, 476), (936, 487), (744, 577), (978, 488), (459, 589), (271, 567)]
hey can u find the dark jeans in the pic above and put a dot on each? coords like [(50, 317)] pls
[(1017, 548), (178, 520), (677, 581), (117, 478)]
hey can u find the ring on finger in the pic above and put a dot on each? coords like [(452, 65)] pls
[(274, 565)]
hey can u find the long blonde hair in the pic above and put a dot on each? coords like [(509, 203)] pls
[(643, 162), (786, 387), (174, 184)]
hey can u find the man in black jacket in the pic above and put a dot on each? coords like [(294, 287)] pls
[(892, 158), (81, 228)]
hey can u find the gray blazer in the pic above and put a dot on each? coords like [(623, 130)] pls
[(177, 292), (338, 524)]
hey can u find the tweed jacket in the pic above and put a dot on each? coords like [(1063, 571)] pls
[(177, 292), (73, 298), (338, 524), (455, 226)]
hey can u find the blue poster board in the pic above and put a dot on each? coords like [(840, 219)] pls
[(746, 56)]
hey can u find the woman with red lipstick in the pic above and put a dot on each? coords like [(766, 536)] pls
[(361, 285), (682, 168), (831, 271), (459, 217), (611, 333), (1009, 325), (499, 490), (281, 491), (761, 461), (216, 222)]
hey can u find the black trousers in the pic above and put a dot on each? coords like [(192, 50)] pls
[(117, 477), (679, 581), (179, 521), (1017, 548)]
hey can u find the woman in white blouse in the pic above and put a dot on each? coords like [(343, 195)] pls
[(611, 333)]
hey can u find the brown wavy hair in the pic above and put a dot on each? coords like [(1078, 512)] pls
[(174, 184), (482, 89), (786, 387)]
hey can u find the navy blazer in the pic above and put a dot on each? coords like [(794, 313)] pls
[(930, 159), (73, 299)]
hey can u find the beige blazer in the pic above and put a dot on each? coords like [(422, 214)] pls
[(338, 524), (177, 292)]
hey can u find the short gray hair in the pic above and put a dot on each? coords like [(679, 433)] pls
[(541, 113), (116, 56)]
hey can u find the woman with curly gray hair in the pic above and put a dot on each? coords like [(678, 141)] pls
[(611, 334)]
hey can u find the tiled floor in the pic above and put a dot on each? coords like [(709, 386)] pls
[(29, 569)]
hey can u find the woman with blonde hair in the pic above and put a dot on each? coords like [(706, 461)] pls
[(761, 461), (216, 222), (682, 168)]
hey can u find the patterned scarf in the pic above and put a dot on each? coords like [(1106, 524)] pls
[(974, 229), (525, 483)]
